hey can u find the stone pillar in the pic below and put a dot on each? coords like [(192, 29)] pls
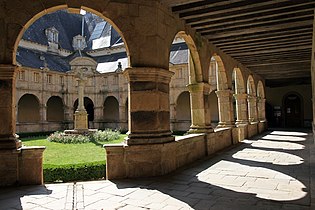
[(122, 117), (261, 109), (252, 108), (8, 138), (313, 74), (80, 115), (241, 108), (200, 110), (149, 106), (225, 108), (99, 118), (43, 113)]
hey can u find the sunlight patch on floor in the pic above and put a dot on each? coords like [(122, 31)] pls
[(284, 138), (277, 145), (273, 157), (261, 182)]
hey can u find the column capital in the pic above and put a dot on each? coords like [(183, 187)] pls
[(148, 74), (251, 98), (239, 96), (7, 71), (199, 87), (261, 100), (224, 93)]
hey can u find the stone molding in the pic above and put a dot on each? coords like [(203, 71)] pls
[(8, 71), (199, 87), (148, 74)]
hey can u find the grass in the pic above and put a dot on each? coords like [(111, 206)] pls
[(63, 154)]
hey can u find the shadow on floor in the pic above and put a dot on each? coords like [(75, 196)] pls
[(269, 171)]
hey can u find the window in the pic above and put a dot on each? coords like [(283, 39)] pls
[(49, 79), (78, 43), (21, 75), (36, 77), (52, 35)]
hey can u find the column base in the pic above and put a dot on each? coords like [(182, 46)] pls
[(149, 138), (226, 125), (201, 129), (10, 142)]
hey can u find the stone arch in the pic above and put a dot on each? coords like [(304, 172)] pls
[(240, 97), (183, 107), (213, 74), (238, 78), (84, 5), (111, 109), (194, 65), (28, 109), (222, 81), (182, 112), (251, 90), (260, 90), (89, 107), (251, 99), (55, 109), (261, 106)]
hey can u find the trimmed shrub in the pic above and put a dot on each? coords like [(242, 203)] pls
[(61, 137), (98, 136), (106, 135), (77, 172)]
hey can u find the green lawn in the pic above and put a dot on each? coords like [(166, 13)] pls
[(61, 154)]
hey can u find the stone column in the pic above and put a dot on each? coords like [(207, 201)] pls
[(149, 106), (261, 109), (200, 110), (241, 108), (122, 116), (80, 115), (252, 108), (313, 74), (8, 138), (43, 113), (225, 108)]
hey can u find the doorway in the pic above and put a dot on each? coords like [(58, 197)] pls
[(293, 111)]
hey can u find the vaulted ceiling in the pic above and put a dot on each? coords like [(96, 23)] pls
[(273, 38)]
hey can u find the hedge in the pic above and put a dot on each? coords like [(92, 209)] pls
[(77, 172)]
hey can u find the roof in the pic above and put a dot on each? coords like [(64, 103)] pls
[(67, 29), (36, 59), (103, 35)]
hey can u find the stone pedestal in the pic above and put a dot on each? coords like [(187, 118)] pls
[(81, 120), (148, 98), (200, 110)]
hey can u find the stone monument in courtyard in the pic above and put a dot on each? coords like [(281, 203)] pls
[(83, 67)]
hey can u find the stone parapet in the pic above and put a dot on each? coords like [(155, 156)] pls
[(31, 165), (130, 161), (23, 166), (252, 129)]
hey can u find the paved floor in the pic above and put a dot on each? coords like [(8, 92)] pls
[(271, 171)]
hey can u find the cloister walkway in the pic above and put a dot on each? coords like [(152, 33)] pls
[(274, 170)]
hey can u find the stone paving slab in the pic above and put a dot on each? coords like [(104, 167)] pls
[(270, 171)]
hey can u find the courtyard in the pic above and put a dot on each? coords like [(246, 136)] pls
[(270, 171)]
